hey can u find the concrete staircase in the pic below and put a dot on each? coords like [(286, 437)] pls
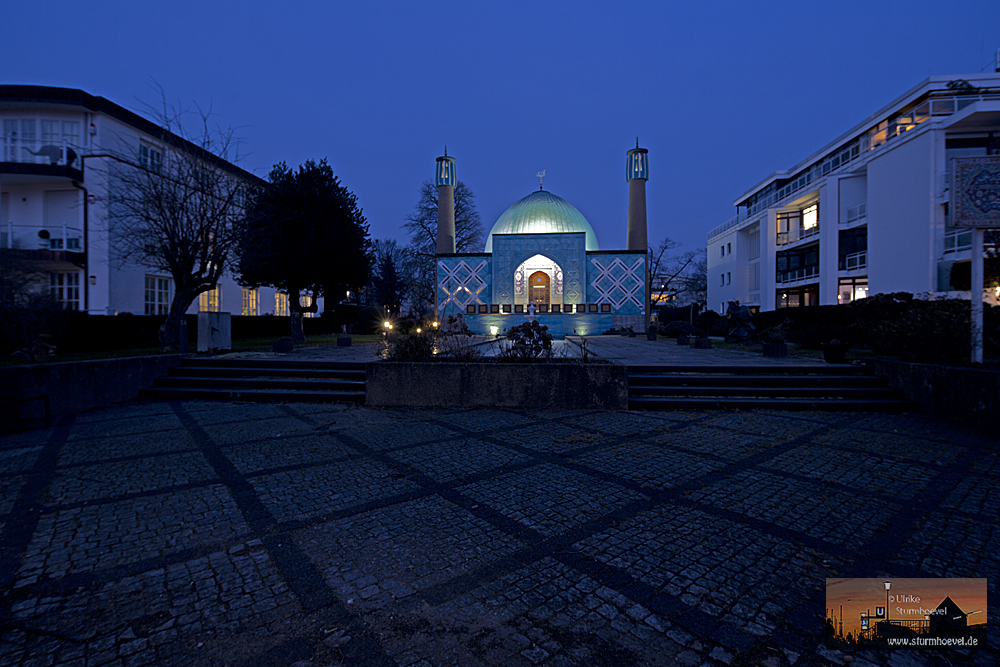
[(262, 380), (805, 387)]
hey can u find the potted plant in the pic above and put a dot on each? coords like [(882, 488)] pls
[(703, 342), (835, 352), (774, 342), (283, 344), (682, 339), (651, 332)]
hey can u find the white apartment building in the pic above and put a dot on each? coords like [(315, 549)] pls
[(865, 214), (54, 201)]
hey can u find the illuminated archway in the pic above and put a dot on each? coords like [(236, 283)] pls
[(531, 267)]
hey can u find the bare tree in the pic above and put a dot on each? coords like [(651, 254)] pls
[(676, 278), (388, 285), (421, 265), (175, 211)]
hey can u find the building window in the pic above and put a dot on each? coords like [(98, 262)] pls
[(249, 301), (157, 295), (722, 249), (208, 302), (281, 304), (810, 216), (852, 249), (65, 289), (795, 297), (307, 302), (729, 278), (852, 289), (753, 244), (150, 158), (797, 264), (722, 277), (729, 248)]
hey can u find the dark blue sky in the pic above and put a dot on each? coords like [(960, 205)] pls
[(721, 93)]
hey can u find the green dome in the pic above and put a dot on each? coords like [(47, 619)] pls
[(542, 212)]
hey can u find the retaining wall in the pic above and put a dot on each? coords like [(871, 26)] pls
[(473, 385), (82, 385), (967, 396)]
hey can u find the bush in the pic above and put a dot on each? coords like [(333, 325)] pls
[(526, 342), (710, 323), (370, 320), (455, 340), (676, 328), (416, 347)]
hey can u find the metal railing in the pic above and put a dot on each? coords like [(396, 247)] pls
[(793, 235), (30, 150), (798, 274), (855, 261), (728, 224), (958, 241), (856, 213), (36, 237)]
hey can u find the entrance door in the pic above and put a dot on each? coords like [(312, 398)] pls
[(538, 288)]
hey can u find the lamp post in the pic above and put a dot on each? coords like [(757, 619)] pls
[(888, 585)]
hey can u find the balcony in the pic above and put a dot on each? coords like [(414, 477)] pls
[(64, 244), (30, 157), (855, 261), (958, 241), (796, 275), (798, 234), (856, 213)]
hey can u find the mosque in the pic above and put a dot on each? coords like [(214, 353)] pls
[(542, 262)]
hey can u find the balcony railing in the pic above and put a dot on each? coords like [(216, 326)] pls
[(728, 224), (29, 150), (798, 274), (958, 241), (33, 237), (856, 213), (855, 261), (793, 235)]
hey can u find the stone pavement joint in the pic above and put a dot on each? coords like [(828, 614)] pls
[(225, 533)]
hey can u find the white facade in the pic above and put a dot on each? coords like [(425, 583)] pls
[(54, 188), (867, 213)]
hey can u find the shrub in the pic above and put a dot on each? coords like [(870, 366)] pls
[(370, 320), (676, 328), (710, 323), (526, 342), (416, 347), (455, 340)]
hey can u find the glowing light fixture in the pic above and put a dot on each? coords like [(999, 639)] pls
[(387, 324), (418, 329), (494, 330)]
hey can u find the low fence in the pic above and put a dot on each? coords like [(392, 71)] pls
[(78, 386), (966, 396), (475, 385)]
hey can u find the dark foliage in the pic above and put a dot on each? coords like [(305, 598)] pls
[(304, 233), (526, 342), (413, 347)]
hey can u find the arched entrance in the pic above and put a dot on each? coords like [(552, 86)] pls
[(539, 288)]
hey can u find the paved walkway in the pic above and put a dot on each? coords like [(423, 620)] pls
[(245, 534)]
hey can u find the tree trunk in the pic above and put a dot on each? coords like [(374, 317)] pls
[(295, 311)]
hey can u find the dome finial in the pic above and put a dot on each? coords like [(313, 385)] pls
[(446, 147), (636, 145), (540, 176)]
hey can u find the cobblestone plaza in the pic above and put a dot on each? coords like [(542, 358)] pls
[(201, 533)]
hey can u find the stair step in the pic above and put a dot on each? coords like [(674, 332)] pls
[(798, 369), (764, 392), (700, 380), (236, 394), (715, 403), (266, 371), (260, 383), (275, 363)]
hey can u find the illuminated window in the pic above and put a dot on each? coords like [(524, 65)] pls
[(208, 302), (306, 302), (157, 295), (65, 289), (249, 301), (810, 217), (281, 304)]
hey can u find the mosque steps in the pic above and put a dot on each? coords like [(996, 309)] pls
[(762, 388), (261, 380)]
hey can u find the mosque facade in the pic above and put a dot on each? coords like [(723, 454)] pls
[(542, 262)]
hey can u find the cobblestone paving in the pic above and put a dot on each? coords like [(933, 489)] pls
[(290, 534)]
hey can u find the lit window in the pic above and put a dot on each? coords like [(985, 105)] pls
[(249, 301), (208, 302), (281, 304), (157, 295), (306, 302), (65, 289), (810, 217)]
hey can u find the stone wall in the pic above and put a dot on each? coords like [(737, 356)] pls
[(449, 385), (81, 385), (967, 396)]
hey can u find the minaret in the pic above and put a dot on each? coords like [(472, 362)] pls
[(637, 173), (446, 179)]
